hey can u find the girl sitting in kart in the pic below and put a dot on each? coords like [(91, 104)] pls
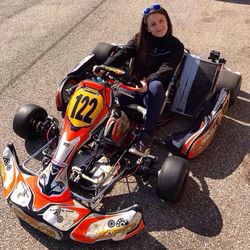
[(156, 54)]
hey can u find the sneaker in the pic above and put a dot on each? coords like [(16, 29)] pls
[(142, 147)]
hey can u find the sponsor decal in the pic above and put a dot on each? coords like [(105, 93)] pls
[(90, 90), (6, 166), (36, 224), (116, 230), (6, 160), (202, 143), (3, 173), (116, 227), (61, 218), (111, 223), (121, 222)]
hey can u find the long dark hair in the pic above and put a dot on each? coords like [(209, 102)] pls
[(144, 40)]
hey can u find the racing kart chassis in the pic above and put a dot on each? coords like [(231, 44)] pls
[(200, 90)]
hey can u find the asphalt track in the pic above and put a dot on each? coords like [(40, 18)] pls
[(41, 40)]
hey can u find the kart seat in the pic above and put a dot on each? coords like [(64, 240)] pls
[(193, 81), (194, 86)]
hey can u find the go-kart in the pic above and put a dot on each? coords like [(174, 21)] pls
[(81, 163)]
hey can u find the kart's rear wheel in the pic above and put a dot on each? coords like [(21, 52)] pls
[(26, 120), (234, 88), (234, 93), (103, 50), (172, 179)]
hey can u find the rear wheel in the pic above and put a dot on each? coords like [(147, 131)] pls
[(26, 120), (103, 50), (233, 85), (234, 93), (172, 179)]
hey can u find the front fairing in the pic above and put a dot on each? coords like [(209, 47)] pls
[(63, 218), (87, 111)]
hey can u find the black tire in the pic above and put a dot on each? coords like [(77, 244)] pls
[(103, 50), (25, 118), (69, 82), (233, 86), (172, 179), (234, 93)]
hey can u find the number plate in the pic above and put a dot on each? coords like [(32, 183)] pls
[(84, 107)]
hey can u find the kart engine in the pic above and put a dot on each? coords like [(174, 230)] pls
[(91, 173)]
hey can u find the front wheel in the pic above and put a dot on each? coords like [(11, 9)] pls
[(26, 120), (172, 179)]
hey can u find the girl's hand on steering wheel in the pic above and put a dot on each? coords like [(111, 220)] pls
[(144, 87)]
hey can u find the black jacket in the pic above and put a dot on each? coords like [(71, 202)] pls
[(165, 55)]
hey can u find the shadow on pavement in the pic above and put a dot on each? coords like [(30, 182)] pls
[(230, 145), (196, 211)]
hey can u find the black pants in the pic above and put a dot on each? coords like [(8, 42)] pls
[(153, 100)]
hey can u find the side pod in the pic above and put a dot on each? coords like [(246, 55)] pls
[(194, 141)]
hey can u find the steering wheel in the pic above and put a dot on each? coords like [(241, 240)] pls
[(127, 82), (109, 69)]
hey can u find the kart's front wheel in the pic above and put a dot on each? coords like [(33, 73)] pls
[(172, 179), (26, 120)]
